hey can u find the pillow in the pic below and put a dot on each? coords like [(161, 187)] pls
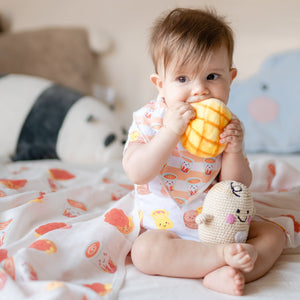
[(63, 55), (268, 104), (40, 119)]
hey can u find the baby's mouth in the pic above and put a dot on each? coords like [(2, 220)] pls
[(195, 99), (243, 221)]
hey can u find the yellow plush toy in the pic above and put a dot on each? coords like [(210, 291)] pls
[(202, 135)]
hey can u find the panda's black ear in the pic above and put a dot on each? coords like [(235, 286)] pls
[(92, 119)]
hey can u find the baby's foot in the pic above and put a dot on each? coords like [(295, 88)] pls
[(240, 256), (225, 280)]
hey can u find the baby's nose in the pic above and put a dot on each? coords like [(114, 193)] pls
[(199, 89)]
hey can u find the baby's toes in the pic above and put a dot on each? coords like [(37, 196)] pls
[(239, 283)]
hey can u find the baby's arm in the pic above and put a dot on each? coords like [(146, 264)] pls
[(234, 164), (143, 161)]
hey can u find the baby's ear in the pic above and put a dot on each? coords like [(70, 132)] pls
[(156, 81), (233, 72)]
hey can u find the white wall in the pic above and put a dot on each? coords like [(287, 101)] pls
[(262, 27)]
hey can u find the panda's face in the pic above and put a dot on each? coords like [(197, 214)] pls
[(111, 137), (90, 133)]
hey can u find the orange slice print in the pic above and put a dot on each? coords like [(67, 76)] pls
[(13, 184), (49, 227), (38, 199), (99, 288), (77, 204), (59, 174), (44, 245)]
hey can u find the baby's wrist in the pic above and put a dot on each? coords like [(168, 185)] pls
[(235, 153), (172, 131)]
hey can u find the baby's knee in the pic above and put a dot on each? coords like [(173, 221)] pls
[(139, 253), (142, 252), (278, 235), (271, 233), (148, 250)]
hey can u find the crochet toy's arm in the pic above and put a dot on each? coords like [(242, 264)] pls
[(204, 219)]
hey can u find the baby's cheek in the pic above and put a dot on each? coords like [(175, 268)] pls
[(249, 219), (230, 219)]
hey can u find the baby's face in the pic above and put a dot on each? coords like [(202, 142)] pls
[(181, 84)]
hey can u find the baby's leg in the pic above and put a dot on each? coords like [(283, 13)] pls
[(225, 280), (269, 240), (230, 279), (162, 252)]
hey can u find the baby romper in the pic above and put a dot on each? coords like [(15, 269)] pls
[(173, 199)]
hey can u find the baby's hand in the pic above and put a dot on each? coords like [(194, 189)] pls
[(233, 135), (178, 116)]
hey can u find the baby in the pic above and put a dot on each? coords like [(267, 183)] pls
[(192, 53)]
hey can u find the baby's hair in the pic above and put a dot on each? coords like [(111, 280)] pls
[(189, 36)]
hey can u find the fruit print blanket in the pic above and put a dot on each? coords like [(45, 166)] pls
[(65, 231)]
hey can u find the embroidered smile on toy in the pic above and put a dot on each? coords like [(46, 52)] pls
[(202, 135), (226, 213)]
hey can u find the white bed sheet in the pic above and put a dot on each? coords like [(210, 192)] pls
[(78, 277)]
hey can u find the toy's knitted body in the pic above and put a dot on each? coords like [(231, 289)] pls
[(226, 214)]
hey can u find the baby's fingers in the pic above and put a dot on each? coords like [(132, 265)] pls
[(189, 114), (232, 133)]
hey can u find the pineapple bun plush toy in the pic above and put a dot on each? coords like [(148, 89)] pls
[(202, 135), (226, 213)]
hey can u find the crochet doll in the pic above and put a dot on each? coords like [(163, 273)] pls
[(226, 213)]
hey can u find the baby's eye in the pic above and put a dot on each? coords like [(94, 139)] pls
[(182, 79), (212, 76)]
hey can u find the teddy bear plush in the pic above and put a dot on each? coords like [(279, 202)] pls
[(226, 214), (66, 55)]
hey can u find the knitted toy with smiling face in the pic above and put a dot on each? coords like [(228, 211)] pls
[(226, 213)]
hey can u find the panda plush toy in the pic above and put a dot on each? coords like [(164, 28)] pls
[(43, 120)]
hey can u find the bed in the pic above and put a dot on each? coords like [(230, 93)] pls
[(66, 231), (66, 228)]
